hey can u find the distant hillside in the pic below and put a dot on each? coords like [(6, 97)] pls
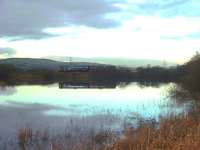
[(32, 63), (53, 63), (115, 61)]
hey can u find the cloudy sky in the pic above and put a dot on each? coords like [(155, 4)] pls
[(146, 29)]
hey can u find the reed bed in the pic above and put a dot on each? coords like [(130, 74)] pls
[(172, 133)]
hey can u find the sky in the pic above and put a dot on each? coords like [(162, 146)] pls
[(138, 29)]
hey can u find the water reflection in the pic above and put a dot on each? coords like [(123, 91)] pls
[(144, 84), (87, 85), (91, 106), (7, 90), (15, 115), (105, 85)]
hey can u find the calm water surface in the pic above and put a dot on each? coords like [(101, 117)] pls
[(49, 106)]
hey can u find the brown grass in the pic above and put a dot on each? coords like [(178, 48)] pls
[(174, 133), (29, 139), (24, 135)]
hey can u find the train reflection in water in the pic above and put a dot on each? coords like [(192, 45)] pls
[(87, 85)]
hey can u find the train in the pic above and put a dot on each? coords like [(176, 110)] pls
[(74, 68)]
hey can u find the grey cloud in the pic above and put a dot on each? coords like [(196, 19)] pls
[(168, 8), (192, 35), (172, 37), (22, 18), (7, 51), (160, 4)]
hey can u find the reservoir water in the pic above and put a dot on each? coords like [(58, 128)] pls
[(66, 106)]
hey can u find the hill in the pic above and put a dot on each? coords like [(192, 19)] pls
[(34, 63), (126, 62)]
